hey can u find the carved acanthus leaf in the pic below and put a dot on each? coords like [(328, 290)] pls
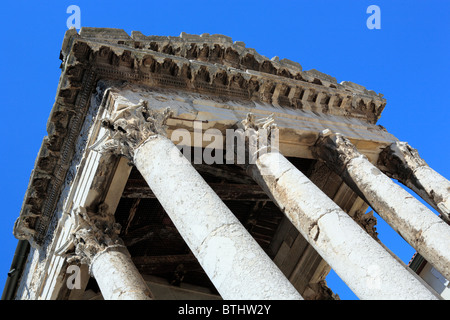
[(400, 160), (250, 122), (335, 150), (261, 135), (91, 235), (131, 126)]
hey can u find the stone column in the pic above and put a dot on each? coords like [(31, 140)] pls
[(232, 259), (420, 227), (403, 163), (95, 242), (117, 275), (369, 270)]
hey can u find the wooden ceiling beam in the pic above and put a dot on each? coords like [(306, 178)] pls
[(167, 263), (226, 191)]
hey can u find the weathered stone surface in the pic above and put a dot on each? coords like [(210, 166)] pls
[(233, 260), (402, 162), (420, 227), (92, 234), (344, 245), (130, 127), (298, 129), (212, 66), (207, 64), (95, 242), (214, 51), (117, 276), (320, 75)]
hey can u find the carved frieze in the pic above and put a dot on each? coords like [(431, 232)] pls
[(206, 64)]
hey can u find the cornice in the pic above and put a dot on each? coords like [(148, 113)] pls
[(206, 64), (214, 65)]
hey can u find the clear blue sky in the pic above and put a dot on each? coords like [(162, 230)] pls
[(407, 60)]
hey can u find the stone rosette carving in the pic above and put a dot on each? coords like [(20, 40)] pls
[(130, 127)]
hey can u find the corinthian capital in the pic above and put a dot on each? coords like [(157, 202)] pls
[(250, 122), (335, 150), (92, 234), (131, 126), (400, 160), (260, 136)]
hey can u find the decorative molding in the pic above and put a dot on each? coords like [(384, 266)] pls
[(206, 64), (217, 49), (52, 164), (168, 71)]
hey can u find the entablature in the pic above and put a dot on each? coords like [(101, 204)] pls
[(219, 87)]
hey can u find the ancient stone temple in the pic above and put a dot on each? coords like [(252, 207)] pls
[(193, 167)]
